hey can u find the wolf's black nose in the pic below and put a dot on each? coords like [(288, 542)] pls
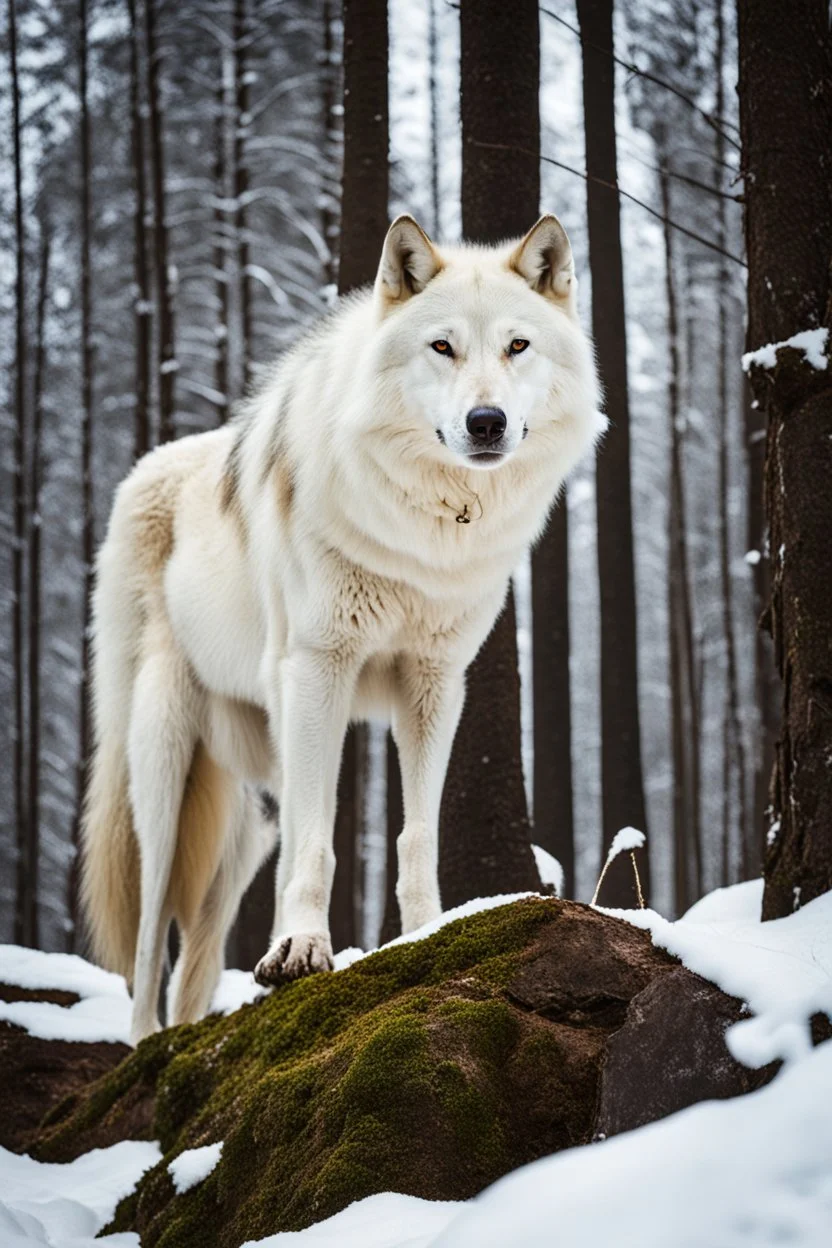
[(486, 424)]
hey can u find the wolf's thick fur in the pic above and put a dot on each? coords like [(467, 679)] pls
[(341, 550)]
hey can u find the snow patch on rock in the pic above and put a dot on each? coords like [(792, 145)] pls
[(193, 1166)]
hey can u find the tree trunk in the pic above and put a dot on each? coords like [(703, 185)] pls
[(484, 826), (433, 94), (87, 509), (24, 896), (241, 181), (220, 251), (141, 437), (165, 279), (364, 194), (734, 763), (329, 145), (485, 836), (35, 457), (621, 772), (553, 805), (391, 924), (786, 126), (685, 720)]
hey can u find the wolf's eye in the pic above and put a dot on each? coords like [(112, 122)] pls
[(518, 345), (442, 347)]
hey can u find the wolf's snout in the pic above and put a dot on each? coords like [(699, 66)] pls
[(486, 424)]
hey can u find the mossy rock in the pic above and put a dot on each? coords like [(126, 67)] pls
[(429, 1068)]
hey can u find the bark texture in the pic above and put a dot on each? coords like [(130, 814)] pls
[(484, 840), (140, 251), (166, 363), (786, 124), (621, 771)]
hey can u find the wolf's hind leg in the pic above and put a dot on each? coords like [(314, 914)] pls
[(248, 841), (161, 743)]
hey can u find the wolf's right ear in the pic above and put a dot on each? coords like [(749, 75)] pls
[(544, 260), (408, 261)]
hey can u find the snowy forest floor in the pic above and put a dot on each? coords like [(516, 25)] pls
[(750, 1171)]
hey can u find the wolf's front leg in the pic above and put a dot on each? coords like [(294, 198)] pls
[(428, 711), (316, 693)]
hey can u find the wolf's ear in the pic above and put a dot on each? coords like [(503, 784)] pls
[(544, 260), (408, 261)]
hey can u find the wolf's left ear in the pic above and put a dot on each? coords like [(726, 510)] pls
[(544, 260), (408, 261)]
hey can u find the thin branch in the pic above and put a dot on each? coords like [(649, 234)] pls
[(707, 117), (698, 238), (686, 177)]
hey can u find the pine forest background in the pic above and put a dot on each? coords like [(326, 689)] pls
[(210, 184)]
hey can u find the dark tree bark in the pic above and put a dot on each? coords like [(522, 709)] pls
[(734, 778), (621, 771), (785, 85), (684, 709), (87, 508), (167, 364), (484, 836), (35, 458), (364, 182), (553, 803), (391, 924), (220, 253), (141, 439), (24, 896), (329, 211), (364, 194), (241, 180)]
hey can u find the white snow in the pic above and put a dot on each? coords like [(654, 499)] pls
[(548, 868), (625, 842), (64, 1206), (782, 969), (752, 557), (388, 1220), (812, 342), (738, 901), (235, 989), (103, 1013), (193, 1166), (743, 1173)]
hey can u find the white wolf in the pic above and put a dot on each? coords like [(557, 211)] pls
[(340, 551)]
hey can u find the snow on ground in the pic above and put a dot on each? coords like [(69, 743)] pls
[(782, 969), (193, 1166), (65, 1206), (388, 1220), (726, 1174), (103, 1013)]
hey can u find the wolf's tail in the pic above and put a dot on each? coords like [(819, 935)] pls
[(110, 890)]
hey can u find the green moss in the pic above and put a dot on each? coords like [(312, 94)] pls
[(387, 1075)]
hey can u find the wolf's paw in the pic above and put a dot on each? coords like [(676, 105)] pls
[(293, 957)]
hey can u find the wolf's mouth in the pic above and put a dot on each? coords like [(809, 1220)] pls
[(486, 457)]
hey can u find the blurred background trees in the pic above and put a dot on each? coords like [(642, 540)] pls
[(184, 187)]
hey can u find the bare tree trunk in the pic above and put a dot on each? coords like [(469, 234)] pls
[(433, 92), (684, 693), (87, 510), (484, 831), (391, 925), (553, 799), (141, 439), (24, 897), (786, 126), (220, 252), (35, 455), (165, 280), (329, 213), (621, 771), (241, 180), (364, 195)]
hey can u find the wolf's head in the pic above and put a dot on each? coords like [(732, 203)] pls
[(483, 344)]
